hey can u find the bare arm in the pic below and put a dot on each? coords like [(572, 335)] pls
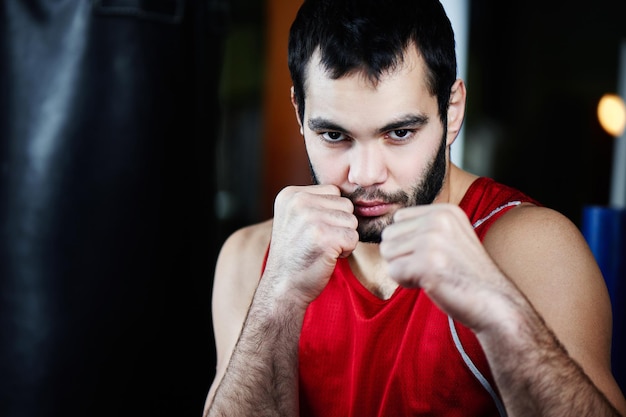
[(568, 313), (534, 372), (261, 377), (537, 253), (313, 226)]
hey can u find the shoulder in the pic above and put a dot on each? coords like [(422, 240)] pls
[(240, 262), (543, 251), (247, 243), (547, 257), (531, 230)]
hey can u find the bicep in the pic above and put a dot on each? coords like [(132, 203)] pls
[(549, 260)]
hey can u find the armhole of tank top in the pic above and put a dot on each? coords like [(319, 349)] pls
[(457, 341), (495, 211)]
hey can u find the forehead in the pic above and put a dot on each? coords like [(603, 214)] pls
[(401, 90)]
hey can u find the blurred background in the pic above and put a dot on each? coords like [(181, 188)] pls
[(534, 77), (136, 135)]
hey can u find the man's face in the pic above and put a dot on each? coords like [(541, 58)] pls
[(383, 145)]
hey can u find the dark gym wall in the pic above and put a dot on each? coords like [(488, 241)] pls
[(536, 74), (109, 115)]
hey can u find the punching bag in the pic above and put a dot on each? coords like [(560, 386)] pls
[(108, 121)]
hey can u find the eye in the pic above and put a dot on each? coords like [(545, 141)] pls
[(333, 136), (400, 134)]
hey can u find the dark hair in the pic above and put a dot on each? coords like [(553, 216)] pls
[(371, 36)]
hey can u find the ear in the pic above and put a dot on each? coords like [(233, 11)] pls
[(295, 107), (456, 110)]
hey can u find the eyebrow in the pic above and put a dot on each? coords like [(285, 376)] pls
[(318, 124), (408, 121)]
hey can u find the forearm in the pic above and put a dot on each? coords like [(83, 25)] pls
[(535, 374), (262, 375)]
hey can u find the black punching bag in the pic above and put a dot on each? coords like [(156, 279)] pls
[(108, 121)]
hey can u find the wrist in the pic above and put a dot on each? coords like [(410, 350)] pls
[(278, 298)]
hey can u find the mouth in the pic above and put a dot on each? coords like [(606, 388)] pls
[(371, 208)]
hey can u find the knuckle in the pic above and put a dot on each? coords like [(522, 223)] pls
[(283, 196)]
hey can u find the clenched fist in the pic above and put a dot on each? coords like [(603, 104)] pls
[(434, 247), (313, 227)]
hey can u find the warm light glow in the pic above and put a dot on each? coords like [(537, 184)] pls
[(612, 114)]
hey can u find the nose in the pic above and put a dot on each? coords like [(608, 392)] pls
[(367, 165)]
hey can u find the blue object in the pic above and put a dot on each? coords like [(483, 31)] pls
[(604, 229)]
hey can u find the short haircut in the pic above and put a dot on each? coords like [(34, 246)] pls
[(371, 37)]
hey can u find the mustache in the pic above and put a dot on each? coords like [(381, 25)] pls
[(399, 197)]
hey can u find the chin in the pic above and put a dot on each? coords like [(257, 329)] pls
[(371, 230)]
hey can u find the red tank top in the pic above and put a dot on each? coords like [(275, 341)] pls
[(363, 356)]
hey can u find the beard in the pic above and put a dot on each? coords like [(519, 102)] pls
[(425, 191)]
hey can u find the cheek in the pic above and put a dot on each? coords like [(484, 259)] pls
[(406, 170), (409, 165), (330, 172), (328, 167)]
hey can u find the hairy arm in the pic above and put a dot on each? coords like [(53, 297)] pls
[(532, 294), (257, 371), (237, 275), (560, 330), (256, 333), (535, 374), (261, 377)]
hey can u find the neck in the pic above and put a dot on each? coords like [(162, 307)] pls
[(455, 185), (371, 270)]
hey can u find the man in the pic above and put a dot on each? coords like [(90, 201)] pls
[(360, 297)]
